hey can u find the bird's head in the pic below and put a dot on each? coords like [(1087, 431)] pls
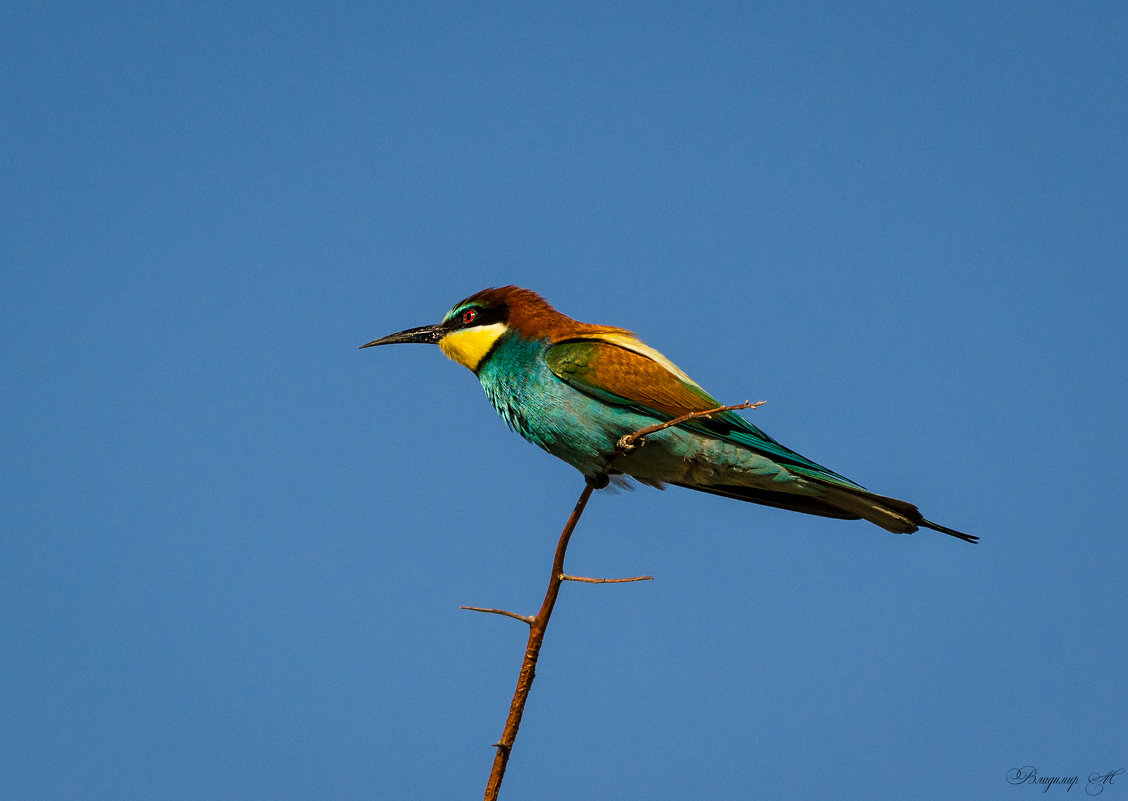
[(471, 329)]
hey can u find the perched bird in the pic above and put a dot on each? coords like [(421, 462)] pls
[(574, 389)]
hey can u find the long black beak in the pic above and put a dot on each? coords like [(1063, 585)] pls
[(427, 334)]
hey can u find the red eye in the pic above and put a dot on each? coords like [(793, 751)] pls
[(468, 316)]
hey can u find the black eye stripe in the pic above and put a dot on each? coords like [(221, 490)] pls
[(472, 316)]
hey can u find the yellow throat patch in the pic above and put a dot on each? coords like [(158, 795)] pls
[(469, 346)]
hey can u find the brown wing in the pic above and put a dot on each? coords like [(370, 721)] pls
[(623, 375)]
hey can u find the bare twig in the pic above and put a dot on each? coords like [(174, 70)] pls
[(502, 612), (628, 442), (539, 623), (586, 580), (532, 650)]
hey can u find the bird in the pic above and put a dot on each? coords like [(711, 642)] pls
[(574, 389)]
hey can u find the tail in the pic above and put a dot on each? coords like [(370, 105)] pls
[(837, 500), (950, 531), (900, 517)]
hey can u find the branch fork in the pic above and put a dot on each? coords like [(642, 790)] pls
[(539, 623)]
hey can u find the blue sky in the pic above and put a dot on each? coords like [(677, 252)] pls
[(234, 546)]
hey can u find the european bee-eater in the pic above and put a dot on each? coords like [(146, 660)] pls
[(574, 389)]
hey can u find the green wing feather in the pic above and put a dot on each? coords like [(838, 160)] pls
[(625, 377)]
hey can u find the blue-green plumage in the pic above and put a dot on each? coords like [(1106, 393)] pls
[(583, 429), (542, 408), (574, 389)]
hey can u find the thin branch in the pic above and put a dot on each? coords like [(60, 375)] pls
[(629, 442), (586, 580), (532, 650), (539, 623), (502, 612)]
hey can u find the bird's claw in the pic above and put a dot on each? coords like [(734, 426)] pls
[(627, 445)]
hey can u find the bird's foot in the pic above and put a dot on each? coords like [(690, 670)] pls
[(629, 444)]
